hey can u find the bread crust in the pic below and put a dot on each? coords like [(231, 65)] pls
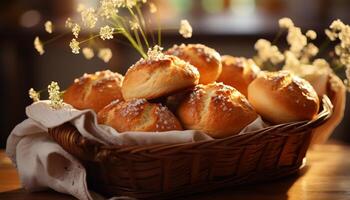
[(152, 79), (216, 109), (138, 115), (238, 72), (205, 59), (280, 97), (94, 91)]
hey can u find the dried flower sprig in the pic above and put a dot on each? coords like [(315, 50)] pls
[(106, 16), (340, 33), (34, 95), (38, 45), (55, 96), (185, 29), (302, 53), (48, 26)]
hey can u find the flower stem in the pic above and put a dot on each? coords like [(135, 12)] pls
[(278, 36), (140, 26), (55, 38), (324, 46)]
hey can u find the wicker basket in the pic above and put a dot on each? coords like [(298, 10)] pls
[(168, 171)]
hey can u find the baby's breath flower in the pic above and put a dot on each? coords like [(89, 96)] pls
[(285, 23), (105, 54), (88, 53), (34, 95), (266, 51), (152, 8), (347, 73), (89, 17), (68, 23), (74, 45), (296, 40), (331, 35), (337, 25), (48, 26), (55, 95), (134, 25), (127, 3), (39, 45), (155, 53), (185, 29), (308, 52), (106, 32), (311, 34), (108, 8), (80, 7), (292, 63), (322, 64), (344, 36), (76, 30)]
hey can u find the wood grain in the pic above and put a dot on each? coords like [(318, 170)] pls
[(325, 176)]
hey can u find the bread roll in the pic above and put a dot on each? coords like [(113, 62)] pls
[(138, 115), (216, 109), (153, 78), (238, 72), (280, 97), (94, 91), (205, 59)]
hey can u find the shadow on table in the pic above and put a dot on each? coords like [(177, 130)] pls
[(21, 194), (272, 190)]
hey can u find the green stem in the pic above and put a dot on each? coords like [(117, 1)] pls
[(143, 23), (90, 38), (278, 36), (159, 31), (138, 38), (140, 26), (54, 38), (324, 46), (120, 24), (134, 44)]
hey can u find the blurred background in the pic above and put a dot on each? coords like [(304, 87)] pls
[(229, 26)]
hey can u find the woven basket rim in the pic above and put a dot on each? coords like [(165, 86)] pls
[(95, 148)]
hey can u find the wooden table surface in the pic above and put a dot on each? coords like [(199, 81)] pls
[(326, 176)]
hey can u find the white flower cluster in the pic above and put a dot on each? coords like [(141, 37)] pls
[(106, 32), (88, 53), (38, 45), (185, 29), (74, 45), (48, 26), (89, 17), (34, 95), (105, 54), (341, 31), (155, 53), (55, 98), (108, 8), (268, 52)]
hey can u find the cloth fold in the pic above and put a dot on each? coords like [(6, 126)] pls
[(42, 163)]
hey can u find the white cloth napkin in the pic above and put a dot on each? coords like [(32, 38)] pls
[(42, 163)]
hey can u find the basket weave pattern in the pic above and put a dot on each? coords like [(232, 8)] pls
[(164, 171)]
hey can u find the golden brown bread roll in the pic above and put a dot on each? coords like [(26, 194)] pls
[(205, 59), (238, 72), (280, 97), (94, 91), (216, 109), (153, 78), (138, 115)]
